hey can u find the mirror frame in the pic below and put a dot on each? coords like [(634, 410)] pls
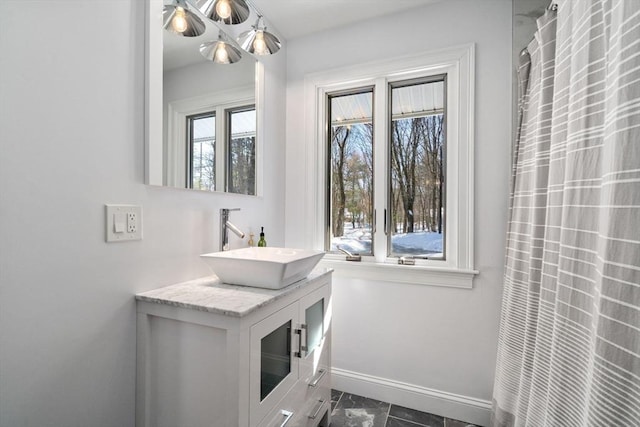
[(153, 104)]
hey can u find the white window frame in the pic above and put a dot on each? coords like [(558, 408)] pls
[(458, 64), (178, 111)]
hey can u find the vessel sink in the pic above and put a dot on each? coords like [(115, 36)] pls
[(270, 268)]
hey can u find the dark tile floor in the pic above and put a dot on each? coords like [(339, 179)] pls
[(350, 410)]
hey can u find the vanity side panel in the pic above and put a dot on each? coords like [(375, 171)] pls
[(186, 373), (183, 370)]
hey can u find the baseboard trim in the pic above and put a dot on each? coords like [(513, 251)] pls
[(456, 406)]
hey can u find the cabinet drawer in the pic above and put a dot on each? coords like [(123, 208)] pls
[(310, 368), (303, 406), (316, 405)]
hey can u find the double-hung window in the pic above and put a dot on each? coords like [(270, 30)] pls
[(395, 144)]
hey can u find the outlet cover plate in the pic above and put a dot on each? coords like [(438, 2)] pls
[(123, 223)]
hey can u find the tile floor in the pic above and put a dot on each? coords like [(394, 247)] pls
[(350, 410)]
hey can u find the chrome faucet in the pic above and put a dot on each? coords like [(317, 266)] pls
[(225, 226)]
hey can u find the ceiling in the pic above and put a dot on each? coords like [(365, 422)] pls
[(297, 18)]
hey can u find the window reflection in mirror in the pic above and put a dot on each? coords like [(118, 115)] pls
[(242, 151), (202, 151), (186, 108), (240, 128)]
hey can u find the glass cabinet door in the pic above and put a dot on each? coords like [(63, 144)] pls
[(273, 366), (315, 316), (290, 345)]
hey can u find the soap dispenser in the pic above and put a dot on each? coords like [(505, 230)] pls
[(251, 242), (262, 243)]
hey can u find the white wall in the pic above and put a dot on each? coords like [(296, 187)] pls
[(390, 338), (71, 137)]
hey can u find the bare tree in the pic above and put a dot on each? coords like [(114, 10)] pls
[(434, 161), (363, 145), (340, 151), (241, 174), (405, 148)]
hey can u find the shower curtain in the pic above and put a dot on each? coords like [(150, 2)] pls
[(569, 342)]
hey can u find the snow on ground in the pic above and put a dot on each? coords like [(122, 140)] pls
[(358, 240)]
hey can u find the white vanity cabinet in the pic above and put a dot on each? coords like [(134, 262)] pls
[(218, 355), (292, 362)]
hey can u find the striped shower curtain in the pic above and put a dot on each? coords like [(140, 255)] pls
[(569, 343)]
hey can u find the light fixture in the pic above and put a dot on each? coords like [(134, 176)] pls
[(258, 40), (220, 51), (224, 11), (179, 19)]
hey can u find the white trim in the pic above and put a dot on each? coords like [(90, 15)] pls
[(412, 274), (153, 93), (446, 404), (260, 123), (458, 64)]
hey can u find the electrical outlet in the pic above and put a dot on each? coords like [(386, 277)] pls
[(123, 223), (132, 222)]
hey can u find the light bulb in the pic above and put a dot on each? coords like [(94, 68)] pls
[(222, 56), (223, 9), (259, 45), (179, 21)]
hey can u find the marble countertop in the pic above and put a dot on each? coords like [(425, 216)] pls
[(209, 294)]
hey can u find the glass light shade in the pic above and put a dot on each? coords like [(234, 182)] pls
[(178, 19), (224, 11)]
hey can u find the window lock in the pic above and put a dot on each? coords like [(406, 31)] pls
[(403, 260)]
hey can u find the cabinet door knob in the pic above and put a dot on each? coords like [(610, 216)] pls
[(298, 353)]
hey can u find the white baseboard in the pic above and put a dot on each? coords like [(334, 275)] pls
[(464, 408)]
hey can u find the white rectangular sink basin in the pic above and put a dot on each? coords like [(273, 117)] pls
[(270, 268)]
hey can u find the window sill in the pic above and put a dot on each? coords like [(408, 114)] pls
[(395, 273)]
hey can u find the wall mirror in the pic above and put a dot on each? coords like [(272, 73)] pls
[(203, 116)]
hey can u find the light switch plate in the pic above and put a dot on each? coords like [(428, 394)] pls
[(123, 223)]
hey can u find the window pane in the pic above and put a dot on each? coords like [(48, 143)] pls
[(351, 172), (242, 151), (202, 152), (417, 163)]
